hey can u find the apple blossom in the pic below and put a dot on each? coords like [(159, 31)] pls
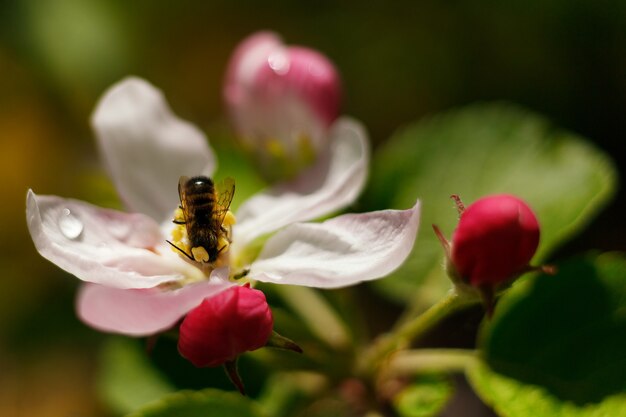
[(283, 101), (136, 284)]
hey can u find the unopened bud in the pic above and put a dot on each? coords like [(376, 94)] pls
[(495, 240), (493, 243), (224, 326), (281, 99)]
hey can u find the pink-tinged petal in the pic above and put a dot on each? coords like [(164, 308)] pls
[(146, 147), (246, 61), (342, 251), (332, 183), (142, 312), (274, 92), (102, 246), (304, 73)]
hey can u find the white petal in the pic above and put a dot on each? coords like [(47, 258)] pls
[(333, 183), (146, 147), (103, 246), (338, 252), (142, 312)]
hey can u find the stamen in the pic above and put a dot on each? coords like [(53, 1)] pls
[(275, 148), (306, 150), (178, 233), (179, 216), (223, 244), (179, 242), (229, 219)]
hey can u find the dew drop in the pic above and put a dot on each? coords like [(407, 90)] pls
[(279, 62), (70, 225)]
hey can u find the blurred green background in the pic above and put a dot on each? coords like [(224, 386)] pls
[(399, 61)]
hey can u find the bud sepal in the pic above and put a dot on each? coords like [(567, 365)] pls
[(278, 341)]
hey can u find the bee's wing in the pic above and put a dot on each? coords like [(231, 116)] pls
[(181, 188), (226, 191), (182, 181)]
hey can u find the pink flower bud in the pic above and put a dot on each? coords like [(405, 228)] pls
[(224, 326), (495, 240), (281, 94)]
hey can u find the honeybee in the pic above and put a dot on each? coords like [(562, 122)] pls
[(203, 213)]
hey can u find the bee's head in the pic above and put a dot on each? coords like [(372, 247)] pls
[(199, 184)]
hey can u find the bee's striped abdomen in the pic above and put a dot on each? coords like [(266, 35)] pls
[(203, 213)]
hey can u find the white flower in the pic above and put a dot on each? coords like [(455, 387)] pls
[(135, 283)]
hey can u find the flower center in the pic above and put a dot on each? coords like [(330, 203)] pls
[(280, 158)]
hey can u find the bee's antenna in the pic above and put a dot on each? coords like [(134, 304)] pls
[(181, 251)]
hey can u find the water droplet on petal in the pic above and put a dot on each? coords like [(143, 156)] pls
[(70, 225), (279, 62)]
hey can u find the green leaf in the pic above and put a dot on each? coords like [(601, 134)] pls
[(127, 379), (72, 52), (206, 403), (475, 151), (557, 344), (288, 393), (425, 397)]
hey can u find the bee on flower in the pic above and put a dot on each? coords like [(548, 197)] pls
[(204, 218), (138, 284)]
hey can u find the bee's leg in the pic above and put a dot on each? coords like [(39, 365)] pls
[(181, 251), (178, 222), (241, 274)]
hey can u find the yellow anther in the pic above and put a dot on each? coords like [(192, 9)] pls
[(229, 219), (306, 150), (275, 148), (179, 216), (200, 254), (223, 244), (178, 233)]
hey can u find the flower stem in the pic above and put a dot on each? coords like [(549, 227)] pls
[(233, 374), (318, 315), (409, 362), (407, 331)]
